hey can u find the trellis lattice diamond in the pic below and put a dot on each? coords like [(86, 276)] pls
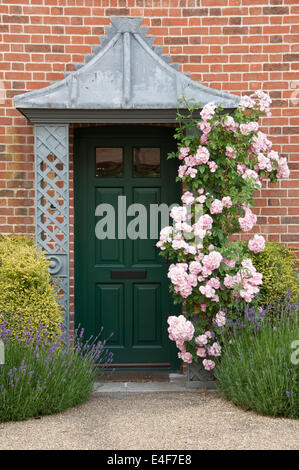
[(51, 163), (52, 203)]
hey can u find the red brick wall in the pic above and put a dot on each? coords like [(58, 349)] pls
[(233, 45)]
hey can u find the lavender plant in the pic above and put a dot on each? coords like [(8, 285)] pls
[(42, 376), (258, 370)]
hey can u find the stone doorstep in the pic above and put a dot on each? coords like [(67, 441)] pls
[(176, 383), (133, 376)]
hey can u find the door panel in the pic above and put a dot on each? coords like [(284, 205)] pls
[(109, 250), (112, 318), (147, 321), (121, 283), (144, 251)]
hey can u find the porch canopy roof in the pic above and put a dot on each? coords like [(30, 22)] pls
[(126, 79)]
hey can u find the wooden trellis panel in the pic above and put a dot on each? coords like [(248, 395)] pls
[(52, 204)]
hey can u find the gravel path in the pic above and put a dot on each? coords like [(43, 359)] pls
[(152, 421)]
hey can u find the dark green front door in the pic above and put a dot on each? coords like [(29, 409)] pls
[(120, 280)]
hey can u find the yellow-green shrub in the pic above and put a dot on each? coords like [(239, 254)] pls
[(26, 288), (277, 264)]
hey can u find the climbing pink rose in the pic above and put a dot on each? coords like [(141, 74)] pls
[(201, 340), (257, 244), (213, 166), (216, 207), (208, 365), (208, 111), (227, 202), (230, 152), (186, 357), (184, 151), (201, 352), (187, 198)]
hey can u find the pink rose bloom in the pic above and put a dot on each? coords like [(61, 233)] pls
[(187, 198), (182, 170), (179, 214), (220, 318), (216, 207), (191, 249), (229, 262), (264, 163), (230, 152), (206, 272), (202, 155), (251, 174), (201, 199), (195, 267), (190, 161), (178, 244), (204, 126), (212, 260), (214, 282), (262, 100), (260, 143), (230, 123), (180, 329), (248, 221), (257, 244), (201, 352), (184, 151), (249, 127), (199, 256), (208, 111), (192, 172), (206, 221), (209, 334), (183, 227), (283, 171), (165, 236), (180, 346), (208, 365), (207, 291), (247, 279), (213, 166), (203, 307), (199, 232), (227, 202), (273, 155), (214, 350), (204, 138), (229, 281), (201, 340), (241, 168), (246, 102), (186, 357)]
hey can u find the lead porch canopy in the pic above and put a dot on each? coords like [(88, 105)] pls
[(126, 79)]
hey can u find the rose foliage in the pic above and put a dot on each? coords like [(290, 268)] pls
[(223, 157)]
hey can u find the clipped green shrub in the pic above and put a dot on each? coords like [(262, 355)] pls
[(258, 368), (277, 264), (27, 296)]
